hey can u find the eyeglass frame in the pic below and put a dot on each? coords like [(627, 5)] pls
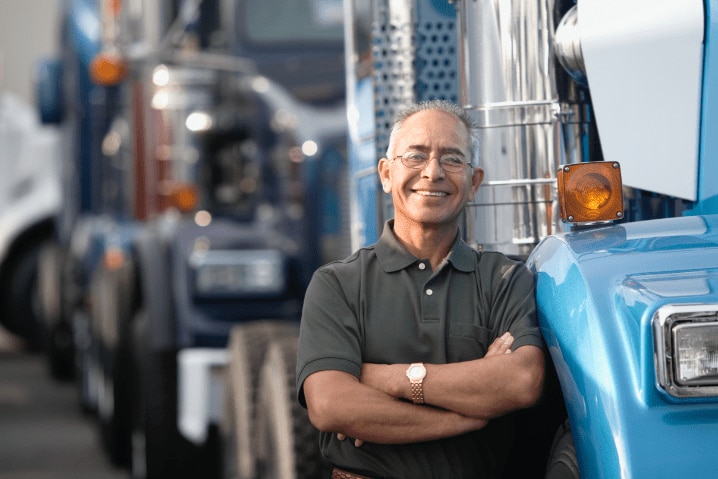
[(429, 158)]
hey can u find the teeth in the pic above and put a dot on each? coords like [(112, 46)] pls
[(431, 193)]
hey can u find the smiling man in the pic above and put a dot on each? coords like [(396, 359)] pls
[(413, 350)]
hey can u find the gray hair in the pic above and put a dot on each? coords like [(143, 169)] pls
[(440, 105)]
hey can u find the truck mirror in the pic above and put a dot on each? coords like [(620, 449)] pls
[(49, 91), (590, 192)]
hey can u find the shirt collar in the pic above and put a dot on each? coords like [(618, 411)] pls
[(393, 256)]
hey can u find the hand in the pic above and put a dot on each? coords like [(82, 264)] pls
[(501, 345), (357, 442)]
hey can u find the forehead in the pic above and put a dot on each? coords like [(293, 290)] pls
[(433, 129)]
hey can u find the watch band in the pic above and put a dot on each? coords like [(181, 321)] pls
[(417, 392)]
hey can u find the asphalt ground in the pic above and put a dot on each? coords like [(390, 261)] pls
[(43, 432)]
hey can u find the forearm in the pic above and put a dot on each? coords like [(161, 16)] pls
[(483, 388), (359, 411), (497, 384)]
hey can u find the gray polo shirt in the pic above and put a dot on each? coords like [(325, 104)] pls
[(383, 305)]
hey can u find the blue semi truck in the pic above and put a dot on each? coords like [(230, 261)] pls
[(629, 311), (204, 172), (601, 173)]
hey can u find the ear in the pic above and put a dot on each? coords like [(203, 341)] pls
[(477, 177), (384, 169)]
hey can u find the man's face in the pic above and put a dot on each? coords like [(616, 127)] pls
[(429, 197)]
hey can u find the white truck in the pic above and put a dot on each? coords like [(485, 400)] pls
[(29, 199)]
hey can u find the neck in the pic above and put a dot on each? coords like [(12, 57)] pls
[(433, 243)]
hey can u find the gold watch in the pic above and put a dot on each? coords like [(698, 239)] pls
[(416, 374)]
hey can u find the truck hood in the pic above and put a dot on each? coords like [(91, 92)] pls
[(597, 292)]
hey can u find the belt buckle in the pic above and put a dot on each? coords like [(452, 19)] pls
[(342, 474)]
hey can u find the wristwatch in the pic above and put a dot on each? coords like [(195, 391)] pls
[(416, 374)]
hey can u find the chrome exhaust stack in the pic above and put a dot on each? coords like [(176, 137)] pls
[(533, 117)]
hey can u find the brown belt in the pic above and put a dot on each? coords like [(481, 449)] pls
[(341, 474)]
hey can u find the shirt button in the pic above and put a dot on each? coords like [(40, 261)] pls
[(429, 292), (422, 266)]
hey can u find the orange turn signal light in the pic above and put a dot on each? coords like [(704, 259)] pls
[(590, 192), (179, 195), (113, 258), (108, 69), (114, 7)]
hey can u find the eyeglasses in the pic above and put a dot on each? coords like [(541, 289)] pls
[(418, 160)]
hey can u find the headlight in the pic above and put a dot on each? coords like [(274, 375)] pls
[(686, 349), (696, 353), (231, 273)]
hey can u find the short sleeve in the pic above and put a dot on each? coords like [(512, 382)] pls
[(329, 335), (512, 299)]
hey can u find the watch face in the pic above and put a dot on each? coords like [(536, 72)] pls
[(417, 372)]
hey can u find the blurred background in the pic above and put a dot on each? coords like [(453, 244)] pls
[(28, 31), (43, 434), (171, 174)]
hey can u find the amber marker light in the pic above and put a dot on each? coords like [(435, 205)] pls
[(113, 258), (179, 195), (590, 192), (114, 7), (108, 69)]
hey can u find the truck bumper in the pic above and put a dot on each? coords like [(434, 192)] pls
[(200, 390)]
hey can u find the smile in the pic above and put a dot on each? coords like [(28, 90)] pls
[(431, 193)]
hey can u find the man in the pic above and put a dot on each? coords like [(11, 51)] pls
[(410, 348)]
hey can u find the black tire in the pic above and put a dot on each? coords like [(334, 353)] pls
[(288, 444), (247, 348), (154, 432), (61, 353), (59, 344), (158, 450), (112, 308), (49, 282), (563, 463), (20, 313), (86, 368)]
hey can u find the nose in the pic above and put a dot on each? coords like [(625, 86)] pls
[(432, 169)]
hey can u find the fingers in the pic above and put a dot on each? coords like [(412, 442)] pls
[(507, 341), (501, 345), (357, 442)]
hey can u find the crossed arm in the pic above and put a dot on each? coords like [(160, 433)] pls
[(460, 397)]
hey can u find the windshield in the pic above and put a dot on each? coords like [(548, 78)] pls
[(296, 21)]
